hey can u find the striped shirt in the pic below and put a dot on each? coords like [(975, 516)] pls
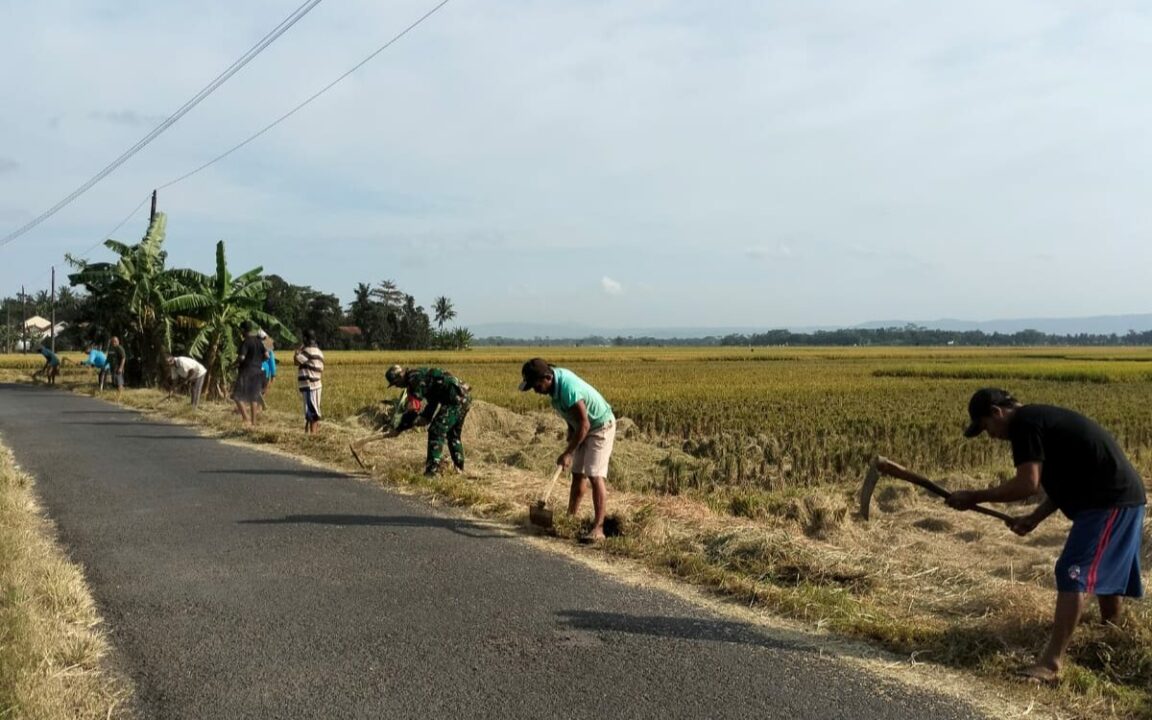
[(309, 366)]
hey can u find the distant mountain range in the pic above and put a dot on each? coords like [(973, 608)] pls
[(1096, 325)]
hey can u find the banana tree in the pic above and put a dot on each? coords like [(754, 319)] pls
[(213, 306), (129, 296)]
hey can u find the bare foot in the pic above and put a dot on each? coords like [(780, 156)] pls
[(1039, 674), (594, 537)]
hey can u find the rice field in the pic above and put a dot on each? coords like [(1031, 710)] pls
[(782, 417)]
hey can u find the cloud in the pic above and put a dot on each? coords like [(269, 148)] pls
[(128, 117), (610, 286), (771, 252)]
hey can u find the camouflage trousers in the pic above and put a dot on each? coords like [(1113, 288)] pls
[(446, 427)]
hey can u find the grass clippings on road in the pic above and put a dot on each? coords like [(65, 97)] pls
[(53, 651)]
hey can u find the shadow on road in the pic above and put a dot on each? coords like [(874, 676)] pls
[(274, 473), (167, 437), (684, 628), (115, 411), (139, 423), (460, 527)]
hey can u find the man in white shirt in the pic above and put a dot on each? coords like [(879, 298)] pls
[(189, 372)]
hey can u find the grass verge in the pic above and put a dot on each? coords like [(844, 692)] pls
[(52, 649), (954, 590)]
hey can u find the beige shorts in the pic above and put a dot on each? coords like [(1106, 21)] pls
[(591, 456)]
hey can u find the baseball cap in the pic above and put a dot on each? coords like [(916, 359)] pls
[(532, 371), (980, 406), (394, 375), (261, 334)]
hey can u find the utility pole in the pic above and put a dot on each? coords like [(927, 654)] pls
[(152, 215), (53, 318), (23, 321), (7, 326)]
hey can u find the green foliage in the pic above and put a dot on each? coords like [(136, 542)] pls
[(214, 306), (129, 297)]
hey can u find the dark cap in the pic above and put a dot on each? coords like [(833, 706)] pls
[(981, 404), (532, 371)]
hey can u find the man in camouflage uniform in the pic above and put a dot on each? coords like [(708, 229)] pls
[(436, 397)]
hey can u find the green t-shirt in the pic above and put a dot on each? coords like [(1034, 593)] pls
[(568, 389)]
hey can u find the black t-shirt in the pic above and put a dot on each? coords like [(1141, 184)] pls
[(116, 356), (252, 354), (1083, 465)]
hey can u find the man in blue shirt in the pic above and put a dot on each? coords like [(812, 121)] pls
[(591, 433), (97, 359), (51, 365), (268, 366)]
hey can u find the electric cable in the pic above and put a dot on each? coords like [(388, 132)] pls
[(220, 79)]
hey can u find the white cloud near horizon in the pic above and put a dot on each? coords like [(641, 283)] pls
[(610, 286), (506, 147)]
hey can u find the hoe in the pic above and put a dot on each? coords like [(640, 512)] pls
[(884, 466), (538, 512)]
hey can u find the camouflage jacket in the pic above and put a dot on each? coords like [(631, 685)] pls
[(426, 390)]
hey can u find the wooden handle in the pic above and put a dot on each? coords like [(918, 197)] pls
[(891, 469), (552, 483)]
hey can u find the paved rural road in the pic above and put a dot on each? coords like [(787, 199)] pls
[(241, 585)]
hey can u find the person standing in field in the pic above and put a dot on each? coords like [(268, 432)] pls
[(434, 396), (190, 373), (97, 359), (249, 374), (115, 366), (268, 367), (309, 370), (591, 433), (1086, 476), (51, 365)]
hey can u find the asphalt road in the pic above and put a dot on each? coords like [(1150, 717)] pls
[(237, 584)]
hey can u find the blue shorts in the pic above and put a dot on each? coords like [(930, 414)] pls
[(1102, 553)]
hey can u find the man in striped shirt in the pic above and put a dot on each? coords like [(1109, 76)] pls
[(309, 369)]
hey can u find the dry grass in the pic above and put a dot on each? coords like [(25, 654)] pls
[(52, 647), (951, 589)]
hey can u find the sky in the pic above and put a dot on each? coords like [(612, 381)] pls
[(623, 163)]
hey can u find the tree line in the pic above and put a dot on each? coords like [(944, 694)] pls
[(156, 309), (910, 336)]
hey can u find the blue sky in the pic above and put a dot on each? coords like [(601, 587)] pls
[(637, 163)]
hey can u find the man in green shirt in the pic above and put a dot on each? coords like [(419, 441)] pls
[(591, 433)]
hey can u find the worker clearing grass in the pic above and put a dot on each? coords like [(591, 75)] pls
[(591, 434), (1085, 475), (431, 396)]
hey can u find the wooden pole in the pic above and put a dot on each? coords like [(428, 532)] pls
[(23, 321), (152, 215), (53, 318)]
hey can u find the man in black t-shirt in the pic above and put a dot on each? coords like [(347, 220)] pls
[(115, 365), (1086, 476)]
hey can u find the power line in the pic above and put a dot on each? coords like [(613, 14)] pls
[(279, 120), (299, 107), (220, 79), (129, 216)]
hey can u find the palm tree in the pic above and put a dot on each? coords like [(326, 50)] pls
[(214, 306), (461, 339), (443, 311), (129, 295)]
